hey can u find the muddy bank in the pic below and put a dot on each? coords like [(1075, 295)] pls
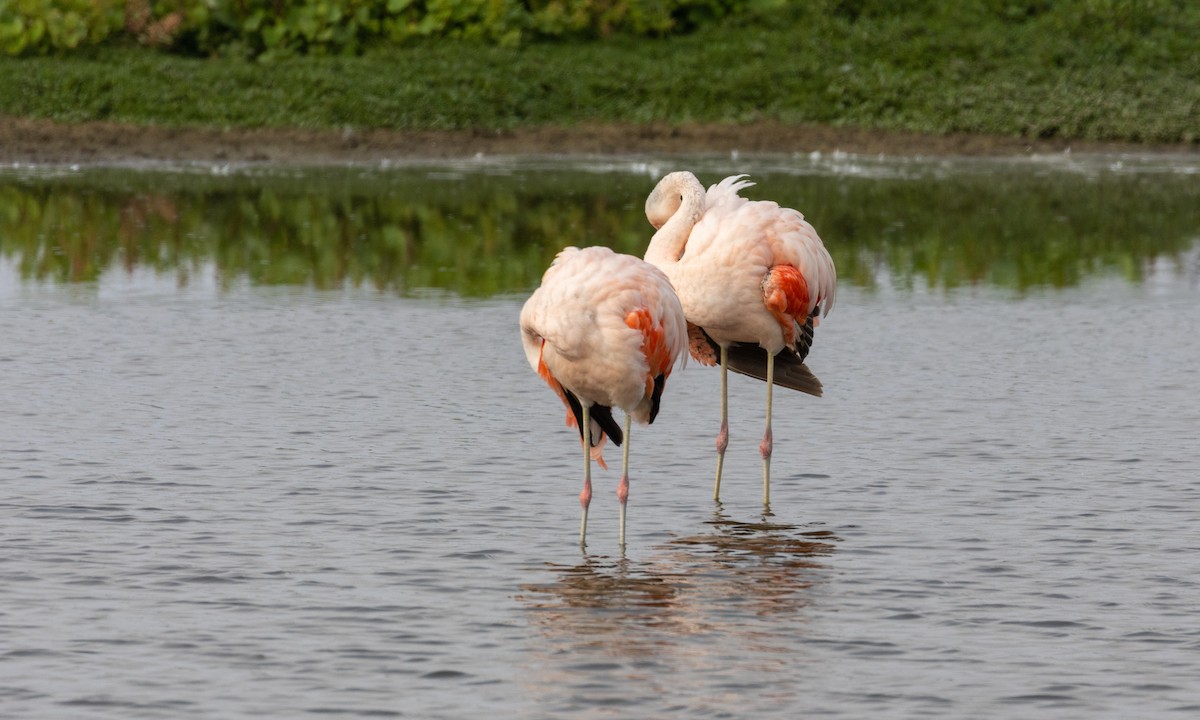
[(43, 142)]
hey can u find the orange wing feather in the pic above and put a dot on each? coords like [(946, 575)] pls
[(544, 373), (785, 293), (700, 347), (654, 345)]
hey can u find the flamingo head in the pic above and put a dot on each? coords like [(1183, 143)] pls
[(667, 196)]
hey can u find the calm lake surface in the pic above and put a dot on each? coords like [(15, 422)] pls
[(269, 447)]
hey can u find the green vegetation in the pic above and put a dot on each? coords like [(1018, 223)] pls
[(1088, 69), (276, 28), (481, 234)]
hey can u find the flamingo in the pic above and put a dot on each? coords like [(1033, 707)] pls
[(604, 330), (754, 279)]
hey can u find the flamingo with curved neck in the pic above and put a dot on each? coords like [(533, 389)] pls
[(754, 279), (673, 208)]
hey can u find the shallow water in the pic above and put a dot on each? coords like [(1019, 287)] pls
[(226, 494)]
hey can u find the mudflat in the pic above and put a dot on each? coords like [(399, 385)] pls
[(36, 141)]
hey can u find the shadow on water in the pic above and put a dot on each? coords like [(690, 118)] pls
[(721, 607)]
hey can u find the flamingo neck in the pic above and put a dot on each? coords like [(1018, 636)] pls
[(685, 192)]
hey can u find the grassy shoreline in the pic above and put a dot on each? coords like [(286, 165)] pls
[(921, 71)]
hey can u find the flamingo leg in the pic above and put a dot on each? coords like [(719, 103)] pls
[(623, 487), (767, 442), (723, 435), (585, 496)]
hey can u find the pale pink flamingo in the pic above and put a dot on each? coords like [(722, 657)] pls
[(754, 279), (604, 330)]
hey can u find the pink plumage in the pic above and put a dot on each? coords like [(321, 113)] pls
[(604, 330), (754, 280)]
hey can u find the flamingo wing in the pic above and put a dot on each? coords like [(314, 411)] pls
[(795, 243), (660, 321), (785, 295), (656, 351), (701, 347), (601, 414)]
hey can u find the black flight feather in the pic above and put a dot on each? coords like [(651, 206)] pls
[(660, 382), (790, 371), (602, 414)]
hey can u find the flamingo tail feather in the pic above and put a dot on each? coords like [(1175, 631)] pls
[(790, 370)]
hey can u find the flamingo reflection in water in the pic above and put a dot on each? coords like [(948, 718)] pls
[(743, 585)]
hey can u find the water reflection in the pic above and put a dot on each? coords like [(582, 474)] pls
[(763, 562), (491, 231), (608, 625)]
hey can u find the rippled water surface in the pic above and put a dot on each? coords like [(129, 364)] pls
[(269, 447)]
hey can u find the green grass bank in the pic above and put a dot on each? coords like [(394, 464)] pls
[(1106, 70)]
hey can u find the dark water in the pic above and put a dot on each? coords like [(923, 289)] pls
[(269, 448)]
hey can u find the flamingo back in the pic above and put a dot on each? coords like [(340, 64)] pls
[(788, 238), (604, 328), (752, 271)]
